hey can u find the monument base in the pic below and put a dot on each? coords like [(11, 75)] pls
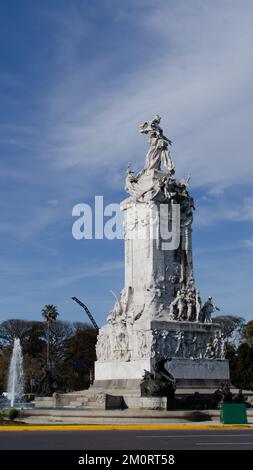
[(188, 373), (192, 350)]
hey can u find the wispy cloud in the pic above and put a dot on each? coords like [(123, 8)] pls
[(199, 80), (248, 243), (91, 271), (227, 210)]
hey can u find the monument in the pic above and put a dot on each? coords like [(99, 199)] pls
[(159, 315)]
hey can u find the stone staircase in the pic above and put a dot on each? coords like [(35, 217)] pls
[(102, 398), (94, 397)]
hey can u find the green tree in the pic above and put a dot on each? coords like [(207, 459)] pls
[(4, 365), (60, 333), (11, 329), (80, 355), (248, 333), (72, 353), (232, 327), (50, 313)]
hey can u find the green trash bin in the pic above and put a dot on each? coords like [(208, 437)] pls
[(233, 413)]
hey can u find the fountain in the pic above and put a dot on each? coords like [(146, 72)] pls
[(15, 387)]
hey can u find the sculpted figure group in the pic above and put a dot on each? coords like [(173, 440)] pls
[(187, 306), (217, 348), (186, 344)]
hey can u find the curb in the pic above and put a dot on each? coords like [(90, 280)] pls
[(125, 427)]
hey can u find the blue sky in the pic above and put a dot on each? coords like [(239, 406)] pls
[(76, 80)]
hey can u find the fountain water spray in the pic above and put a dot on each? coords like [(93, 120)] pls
[(15, 387)]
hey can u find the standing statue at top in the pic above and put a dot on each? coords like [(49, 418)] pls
[(158, 153)]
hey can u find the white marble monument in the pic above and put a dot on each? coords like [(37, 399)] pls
[(160, 312)]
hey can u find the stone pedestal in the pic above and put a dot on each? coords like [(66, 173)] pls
[(192, 361), (188, 373)]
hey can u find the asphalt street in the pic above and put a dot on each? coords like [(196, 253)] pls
[(237, 439)]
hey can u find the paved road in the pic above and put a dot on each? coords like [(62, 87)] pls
[(127, 440)]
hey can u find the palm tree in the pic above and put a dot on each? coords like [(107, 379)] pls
[(50, 313)]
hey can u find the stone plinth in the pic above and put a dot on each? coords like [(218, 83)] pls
[(202, 373), (121, 370), (188, 373), (190, 361)]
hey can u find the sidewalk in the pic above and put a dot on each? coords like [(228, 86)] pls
[(127, 418)]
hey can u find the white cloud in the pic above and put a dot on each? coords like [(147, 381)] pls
[(225, 210), (200, 81), (95, 271), (198, 76), (248, 243)]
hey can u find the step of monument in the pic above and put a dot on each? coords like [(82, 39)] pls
[(114, 391), (74, 394), (95, 404), (75, 404), (91, 404), (92, 398), (125, 393), (69, 396), (82, 401), (64, 401), (98, 390)]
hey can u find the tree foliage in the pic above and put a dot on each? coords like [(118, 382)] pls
[(72, 352), (232, 327), (50, 313), (11, 329), (241, 366), (248, 333)]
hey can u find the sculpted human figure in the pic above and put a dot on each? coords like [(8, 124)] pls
[(180, 343), (198, 305), (158, 153), (144, 343), (190, 300), (115, 313), (209, 351), (208, 308), (164, 334), (223, 347), (107, 347), (120, 307), (103, 347), (186, 219), (121, 346), (178, 305), (155, 348), (216, 344), (121, 340), (201, 346), (182, 305), (174, 306), (194, 346), (99, 347)]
